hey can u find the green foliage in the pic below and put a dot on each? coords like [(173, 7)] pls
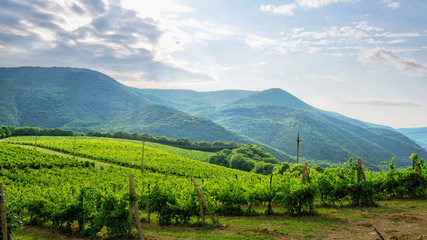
[(247, 157), (128, 153), (98, 198), (179, 142), (239, 161)]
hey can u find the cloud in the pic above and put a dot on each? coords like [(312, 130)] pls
[(318, 3), (391, 5), (384, 103), (259, 42), (406, 65), (90, 34), (287, 9)]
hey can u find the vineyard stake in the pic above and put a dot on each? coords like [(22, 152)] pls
[(3, 213), (75, 139), (269, 207), (304, 172), (202, 199), (35, 140), (135, 205), (143, 150), (298, 141), (360, 171)]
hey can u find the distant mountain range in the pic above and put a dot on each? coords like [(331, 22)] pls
[(418, 135), (85, 100)]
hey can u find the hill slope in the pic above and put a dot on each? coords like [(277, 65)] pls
[(85, 100), (192, 101), (274, 117)]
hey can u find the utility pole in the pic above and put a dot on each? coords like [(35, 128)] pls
[(298, 141)]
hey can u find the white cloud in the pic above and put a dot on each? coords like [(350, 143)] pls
[(259, 42), (363, 25), (406, 65), (318, 3), (398, 35), (155, 9), (396, 41), (391, 5), (287, 9)]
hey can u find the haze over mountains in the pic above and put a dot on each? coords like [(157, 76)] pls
[(85, 100)]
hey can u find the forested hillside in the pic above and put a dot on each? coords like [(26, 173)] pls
[(274, 117), (85, 100)]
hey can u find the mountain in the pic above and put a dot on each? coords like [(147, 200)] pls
[(418, 135), (192, 101), (275, 117), (86, 100)]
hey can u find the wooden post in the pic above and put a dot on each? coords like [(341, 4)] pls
[(143, 150), (202, 199), (298, 141), (35, 140), (135, 205), (3, 213), (269, 207), (75, 139), (360, 171), (304, 176)]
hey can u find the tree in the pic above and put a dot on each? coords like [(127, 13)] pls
[(219, 159), (264, 168), (7, 131), (238, 161)]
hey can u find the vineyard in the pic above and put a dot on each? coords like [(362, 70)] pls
[(80, 197)]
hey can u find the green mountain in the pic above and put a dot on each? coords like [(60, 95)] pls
[(85, 100), (275, 117), (192, 101)]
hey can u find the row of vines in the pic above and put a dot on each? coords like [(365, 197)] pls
[(73, 195)]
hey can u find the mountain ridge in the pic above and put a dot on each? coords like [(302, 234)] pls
[(274, 117)]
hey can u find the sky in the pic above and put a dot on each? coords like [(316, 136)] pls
[(366, 59)]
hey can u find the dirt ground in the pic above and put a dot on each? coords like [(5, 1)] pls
[(401, 225)]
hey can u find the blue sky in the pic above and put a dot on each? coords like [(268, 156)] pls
[(366, 59)]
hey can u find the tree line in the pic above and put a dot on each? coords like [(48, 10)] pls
[(9, 131)]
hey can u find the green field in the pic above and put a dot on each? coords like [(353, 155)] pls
[(89, 197)]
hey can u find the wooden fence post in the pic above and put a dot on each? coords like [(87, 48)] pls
[(269, 207), (75, 139), (3, 213), (360, 171), (143, 152), (202, 199), (35, 140), (135, 205), (304, 176)]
